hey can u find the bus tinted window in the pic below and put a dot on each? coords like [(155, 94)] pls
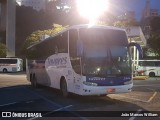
[(75, 60), (8, 61), (149, 63), (157, 63), (73, 37), (62, 43)]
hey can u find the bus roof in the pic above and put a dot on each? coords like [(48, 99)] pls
[(10, 58), (147, 60), (78, 27)]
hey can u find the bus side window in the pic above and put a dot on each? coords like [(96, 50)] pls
[(63, 43), (141, 63), (157, 63), (73, 37), (75, 60)]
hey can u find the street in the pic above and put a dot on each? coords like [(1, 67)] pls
[(17, 95)]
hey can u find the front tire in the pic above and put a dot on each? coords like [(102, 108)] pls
[(151, 74), (63, 86), (5, 70)]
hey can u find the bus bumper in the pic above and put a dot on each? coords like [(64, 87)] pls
[(102, 90)]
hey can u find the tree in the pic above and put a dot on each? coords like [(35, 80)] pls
[(3, 50), (35, 37), (125, 23), (155, 25), (154, 40), (3, 37)]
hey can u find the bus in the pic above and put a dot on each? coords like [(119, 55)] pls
[(11, 65), (83, 60), (149, 68)]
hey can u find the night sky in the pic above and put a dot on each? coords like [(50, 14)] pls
[(134, 5)]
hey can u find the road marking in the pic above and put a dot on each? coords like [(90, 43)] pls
[(8, 104), (52, 112), (151, 98), (57, 110), (138, 111), (54, 104), (152, 85), (132, 98)]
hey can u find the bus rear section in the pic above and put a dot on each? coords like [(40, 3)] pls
[(11, 65)]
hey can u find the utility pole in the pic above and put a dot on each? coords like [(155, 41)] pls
[(10, 27)]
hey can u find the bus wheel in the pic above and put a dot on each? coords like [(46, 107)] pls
[(63, 86), (5, 70), (151, 74)]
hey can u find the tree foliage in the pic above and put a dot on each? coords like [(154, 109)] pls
[(125, 23), (2, 50), (155, 25), (35, 37), (154, 44), (154, 40)]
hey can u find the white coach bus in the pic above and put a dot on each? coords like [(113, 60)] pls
[(83, 60), (148, 68), (11, 65)]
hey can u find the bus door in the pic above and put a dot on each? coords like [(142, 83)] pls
[(76, 65), (157, 67), (75, 59)]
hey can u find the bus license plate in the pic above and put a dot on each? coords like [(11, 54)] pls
[(109, 90)]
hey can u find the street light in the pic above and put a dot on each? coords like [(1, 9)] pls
[(92, 9)]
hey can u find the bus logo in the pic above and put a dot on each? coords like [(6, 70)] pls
[(96, 78)]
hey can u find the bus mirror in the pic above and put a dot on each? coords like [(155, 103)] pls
[(138, 47)]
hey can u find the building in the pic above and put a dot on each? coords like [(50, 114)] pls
[(148, 13), (35, 4)]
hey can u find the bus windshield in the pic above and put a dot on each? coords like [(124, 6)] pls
[(102, 56)]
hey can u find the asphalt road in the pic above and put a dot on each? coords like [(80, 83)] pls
[(16, 95)]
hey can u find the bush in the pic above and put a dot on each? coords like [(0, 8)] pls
[(3, 50)]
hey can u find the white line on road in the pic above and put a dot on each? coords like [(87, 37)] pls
[(138, 111), (52, 111), (151, 85), (57, 110), (8, 104), (131, 98), (54, 104), (149, 100)]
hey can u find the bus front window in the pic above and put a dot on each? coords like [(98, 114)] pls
[(114, 62), (103, 59)]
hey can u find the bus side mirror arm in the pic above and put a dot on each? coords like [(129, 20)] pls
[(138, 47)]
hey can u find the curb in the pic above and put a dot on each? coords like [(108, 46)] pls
[(140, 78)]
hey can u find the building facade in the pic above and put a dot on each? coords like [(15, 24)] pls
[(35, 4), (148, 14)]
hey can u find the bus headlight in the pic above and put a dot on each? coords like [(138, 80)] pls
[(90, 83), (128, 82)]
